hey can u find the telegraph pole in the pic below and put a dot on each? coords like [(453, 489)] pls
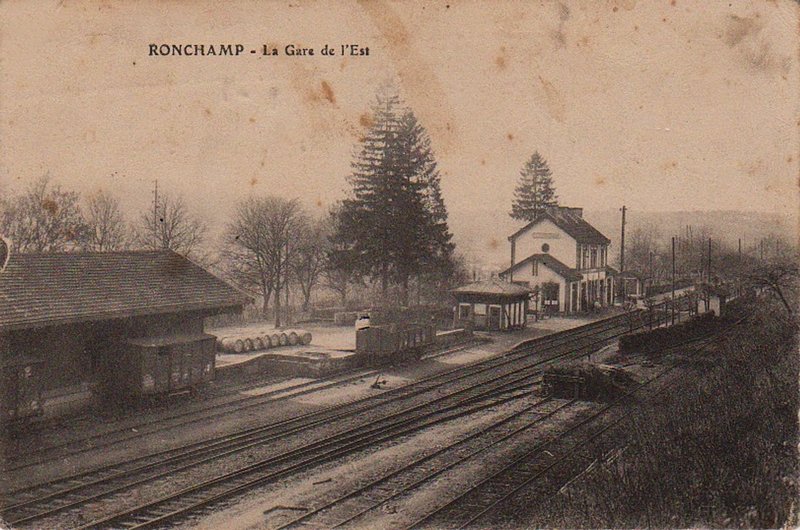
[(709, 260), (673, 280), (622, 256), (622, 243), (155, 217)]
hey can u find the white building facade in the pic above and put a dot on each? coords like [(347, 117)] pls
[(564, 259)]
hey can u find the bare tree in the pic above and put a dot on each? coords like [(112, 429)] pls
[(107, 229), (247, 260), (309, 260), (780, 277), (262, 243), (283, 224), (170, 225), (44, 219)]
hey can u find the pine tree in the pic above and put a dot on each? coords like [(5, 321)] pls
[(393, 225), (534, 191)]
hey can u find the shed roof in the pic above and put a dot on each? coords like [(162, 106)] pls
[(61, 288), (571, 223), (493, 287), (552, 263)]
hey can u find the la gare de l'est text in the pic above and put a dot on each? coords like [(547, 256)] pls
[(235, 50)]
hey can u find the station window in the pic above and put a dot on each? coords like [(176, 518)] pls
[(480, 309), (535, 268), (463, 311), (594, 257)]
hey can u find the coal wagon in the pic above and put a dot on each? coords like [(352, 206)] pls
[(391, 343)]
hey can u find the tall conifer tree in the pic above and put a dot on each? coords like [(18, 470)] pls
[(393, 225), (534, 192)]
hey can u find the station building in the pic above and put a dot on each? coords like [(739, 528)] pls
[(77, 314), (564, 260)]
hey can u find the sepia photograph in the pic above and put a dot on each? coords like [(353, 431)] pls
[(399, 264)]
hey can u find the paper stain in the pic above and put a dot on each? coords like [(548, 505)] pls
[(553, 100), (327, 91), (417, 79), (366, 120)]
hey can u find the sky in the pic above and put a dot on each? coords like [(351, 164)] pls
[(659, 105)]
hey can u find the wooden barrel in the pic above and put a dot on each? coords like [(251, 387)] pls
[(231, 344), (258, 343), (305, 336), (275, 340), (266, 338), (248, 344), (283, 338), (292, 337)]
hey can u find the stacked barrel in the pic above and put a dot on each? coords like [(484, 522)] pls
[(255, 340)]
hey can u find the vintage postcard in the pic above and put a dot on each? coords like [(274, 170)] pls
[(399, 264)]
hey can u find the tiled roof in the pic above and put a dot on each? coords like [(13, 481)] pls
[(494, 287), (552, 263), (569, 222), (59, 288)]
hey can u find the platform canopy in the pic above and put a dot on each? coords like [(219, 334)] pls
[(493, 288)]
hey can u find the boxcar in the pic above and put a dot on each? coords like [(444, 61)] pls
[(20, 388), (163, 365)]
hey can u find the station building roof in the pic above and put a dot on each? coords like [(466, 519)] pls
[(48, 289), (571, 275), (493, 288), (571, 221)]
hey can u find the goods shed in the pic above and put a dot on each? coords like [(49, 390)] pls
[(492, 305), (110, 324)]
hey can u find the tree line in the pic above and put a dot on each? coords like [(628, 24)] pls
[(389, 234), (47, 218)]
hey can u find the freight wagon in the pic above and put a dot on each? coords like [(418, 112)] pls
[(160, 365), (393, 342)]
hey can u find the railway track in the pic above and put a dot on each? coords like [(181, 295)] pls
[(132, 431), (487, 498), (349, 507), (38, 503), (484, 497), (47, 499)]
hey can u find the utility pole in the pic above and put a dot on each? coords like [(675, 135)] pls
[(155, 217), (709, 260), (740, 248), (673, 280), (622, 256), (622, 243)]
